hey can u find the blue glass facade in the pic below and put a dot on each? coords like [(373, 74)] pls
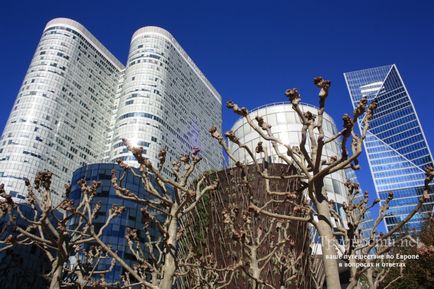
[(114, 235), (395, 145)]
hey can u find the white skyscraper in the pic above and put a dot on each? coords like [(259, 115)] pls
[(77, 101), (165, 101)]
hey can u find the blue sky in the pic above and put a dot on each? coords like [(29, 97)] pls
[(251, 51)]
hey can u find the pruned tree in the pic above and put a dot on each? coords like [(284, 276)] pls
[(379, 245), (76, 250), (308, 158), (170, 200), (262, 239), (63, 232), (417, 273)]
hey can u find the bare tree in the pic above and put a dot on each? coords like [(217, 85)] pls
[(75, 249), (51, 229), (170, 200), (312, 168), (378, 245)]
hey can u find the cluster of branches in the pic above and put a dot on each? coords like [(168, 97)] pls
[(171, 200), (378, 245), (67, 235), (49, 227), (313, 167), (263, 251), (270, 252), (418, 273)]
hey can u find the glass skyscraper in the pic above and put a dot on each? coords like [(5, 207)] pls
[(395, 144), (78, 101)]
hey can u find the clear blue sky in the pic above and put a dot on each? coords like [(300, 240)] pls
[(250, 50)]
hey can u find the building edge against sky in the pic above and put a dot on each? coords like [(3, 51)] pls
[(166, 100), (77, 101), (395, 145)]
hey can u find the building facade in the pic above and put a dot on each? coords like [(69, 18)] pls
[(395, 144), (60, 117), (77, 101)]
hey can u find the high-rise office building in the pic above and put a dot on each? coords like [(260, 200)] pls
[(165, 101), (77, 101), (395, 144), (61, 115)]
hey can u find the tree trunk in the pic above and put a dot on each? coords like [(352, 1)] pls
[(370, 278), (57, 275), (354, 282), (254, 267), (169, 266), (328, 246)]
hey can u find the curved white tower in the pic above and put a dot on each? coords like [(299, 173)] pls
[(165, 101), (78, 101), (61, 117)]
